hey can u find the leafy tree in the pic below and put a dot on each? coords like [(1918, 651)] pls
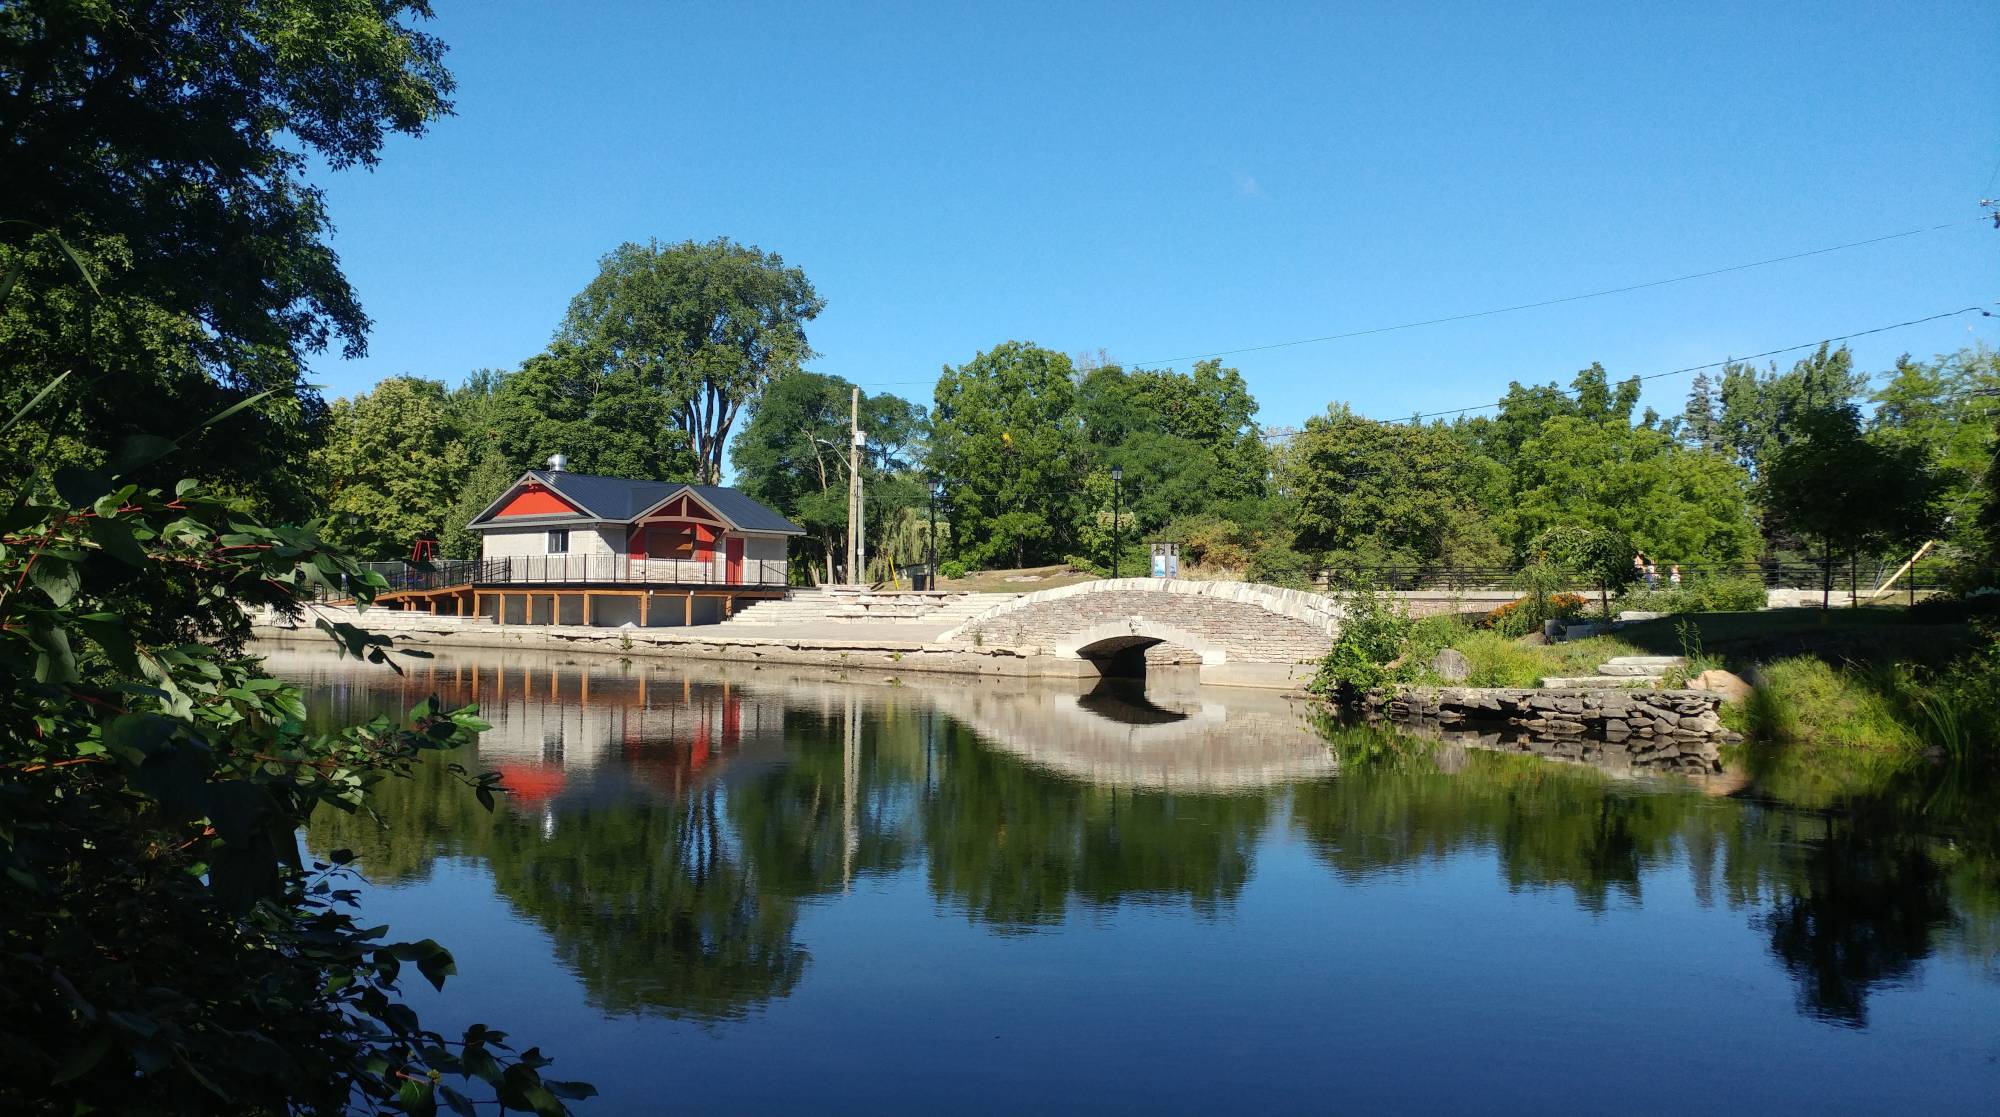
[(604, 418), (1854, 495), (1006, 438), (1601, 555), (1525, 410), (792, 455), (1371, 493), (1748, 415), (1188, 444), (156, 228), (394, 463), (1683, 505), (1947, 410), (168, 949), (708, 327)]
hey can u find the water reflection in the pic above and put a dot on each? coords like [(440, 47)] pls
[(668, 826)]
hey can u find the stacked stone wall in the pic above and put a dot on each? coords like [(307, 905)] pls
[(1680, 728)]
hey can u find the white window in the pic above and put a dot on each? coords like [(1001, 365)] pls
[(559, 541)]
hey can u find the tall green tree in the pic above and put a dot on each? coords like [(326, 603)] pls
[(604, 417), (1749, 415), (792, 455), (1006, 438), (1675, 504), (1946, 410), (1188, 445), (157, 230), (1855, 496), (707, 326), (1525, 409), (1368, 493), (393, 464)]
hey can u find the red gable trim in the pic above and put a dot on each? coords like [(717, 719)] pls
[(536, 500)]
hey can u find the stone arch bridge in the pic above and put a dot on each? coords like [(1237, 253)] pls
[(1238, 629)]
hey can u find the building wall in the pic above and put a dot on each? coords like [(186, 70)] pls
[(770, 547), (516, 542)]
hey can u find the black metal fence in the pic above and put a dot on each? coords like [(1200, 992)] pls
[(543, 570), (1839, 576)]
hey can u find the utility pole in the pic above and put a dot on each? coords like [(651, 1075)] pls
[(854, 573)]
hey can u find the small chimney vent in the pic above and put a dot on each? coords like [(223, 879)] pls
[(558, 463)]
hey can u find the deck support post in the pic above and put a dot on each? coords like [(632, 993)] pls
[(645, 604), (586, 607), (687, 614)]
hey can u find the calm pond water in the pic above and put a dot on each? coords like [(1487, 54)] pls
[(743, 890)]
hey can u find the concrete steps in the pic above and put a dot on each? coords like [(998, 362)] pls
[(1640, 665), (815, 607)]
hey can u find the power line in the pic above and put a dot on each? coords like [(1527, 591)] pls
[(1566, 298), (1524, 306), (1735, 360)]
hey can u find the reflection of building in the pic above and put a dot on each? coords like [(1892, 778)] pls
[(557, 722)]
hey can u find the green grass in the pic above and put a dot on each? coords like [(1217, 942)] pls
[(1805, 700)]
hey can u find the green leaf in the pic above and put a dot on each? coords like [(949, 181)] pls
[(134, 737), (459, 1103), (80, 1060), (56, 663), (77, 261), (416, 1096), (108, 632), (117, 540), (141, 450), (80, 488), (575, 1091), (56, 577)]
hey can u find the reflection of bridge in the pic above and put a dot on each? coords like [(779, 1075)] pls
[(1115, 622), (1123, 740)]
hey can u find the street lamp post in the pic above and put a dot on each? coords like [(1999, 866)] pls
[(1117, 487), (930, 540)]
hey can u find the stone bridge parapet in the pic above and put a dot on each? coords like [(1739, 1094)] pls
[(1223, 622)]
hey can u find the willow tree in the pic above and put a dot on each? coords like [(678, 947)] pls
[(709, 325)]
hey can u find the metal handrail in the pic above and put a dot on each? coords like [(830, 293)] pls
[(576, 570)]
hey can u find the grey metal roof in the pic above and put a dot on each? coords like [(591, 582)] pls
[(622, 500)]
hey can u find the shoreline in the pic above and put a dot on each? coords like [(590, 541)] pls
[(859, 651)]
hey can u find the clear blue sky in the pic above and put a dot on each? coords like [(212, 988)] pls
[(1158, 181)]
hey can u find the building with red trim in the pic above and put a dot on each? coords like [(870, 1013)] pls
[(575, 548)]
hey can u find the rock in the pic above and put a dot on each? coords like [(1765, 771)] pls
[(1731, 687), (1451, 665)]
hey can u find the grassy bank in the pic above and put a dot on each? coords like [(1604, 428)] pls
[(1892, 685)]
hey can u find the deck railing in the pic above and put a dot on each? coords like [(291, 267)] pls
[(578, 570)]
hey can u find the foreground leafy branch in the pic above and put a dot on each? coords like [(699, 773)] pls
[(163, 945)]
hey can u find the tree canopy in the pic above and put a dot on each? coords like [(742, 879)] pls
[(706, 326), (157, 232), (1006, 438)]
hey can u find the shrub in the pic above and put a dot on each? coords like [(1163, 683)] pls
[(1373, 634), (953, 570), (1525, 615), (1211, 541), (1282, 566), (1734, 593)]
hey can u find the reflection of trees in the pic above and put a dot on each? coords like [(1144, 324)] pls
[(1015, 845), (674, 887), (793, 819), (1858, 913), (650, 906), (1551, 824)]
